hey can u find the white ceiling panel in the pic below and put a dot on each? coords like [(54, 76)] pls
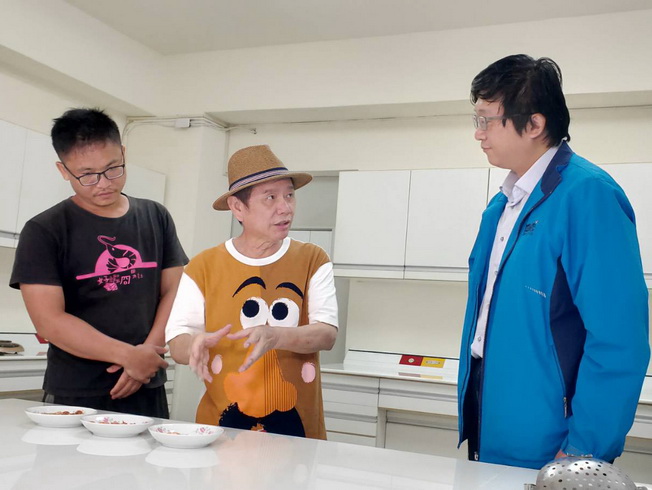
[(186, 26)]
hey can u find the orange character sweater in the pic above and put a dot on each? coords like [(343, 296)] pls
[(245, 296)]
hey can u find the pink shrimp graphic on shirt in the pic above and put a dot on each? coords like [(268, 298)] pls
[(113, 262)]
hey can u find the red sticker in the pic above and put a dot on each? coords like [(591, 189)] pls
[(411, 360)]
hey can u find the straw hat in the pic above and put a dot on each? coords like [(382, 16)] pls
[(253, 165)]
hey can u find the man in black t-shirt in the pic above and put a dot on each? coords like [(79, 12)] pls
[(98, 273)]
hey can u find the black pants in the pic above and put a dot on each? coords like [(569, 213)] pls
[(286, 423), (472, 409), (151, 402)]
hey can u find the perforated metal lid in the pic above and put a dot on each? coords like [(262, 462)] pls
[(574, 473)]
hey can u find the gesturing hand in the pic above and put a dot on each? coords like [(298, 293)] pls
[(263, 338), (199, 354)]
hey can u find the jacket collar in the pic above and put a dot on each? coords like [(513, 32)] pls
[(552, 176)]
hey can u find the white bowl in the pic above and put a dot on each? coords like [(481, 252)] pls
[(116, 425), (185, 436), (58, 415)]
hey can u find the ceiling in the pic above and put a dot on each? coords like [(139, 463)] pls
[(186, 26)]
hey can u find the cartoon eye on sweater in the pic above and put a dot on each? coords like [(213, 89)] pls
[(283, 313)]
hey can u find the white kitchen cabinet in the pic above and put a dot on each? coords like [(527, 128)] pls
[(635, 179), (423, 433), (42, 185), (321, 238), (372, 210), (351, 408), (445, 208), (417, 224), (12, 143)]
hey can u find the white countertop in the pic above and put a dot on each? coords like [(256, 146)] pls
[(34, 458), (396, 366), (385, 365)]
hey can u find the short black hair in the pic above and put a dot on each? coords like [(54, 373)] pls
[(244, 195), (525, 86), (78, 128)]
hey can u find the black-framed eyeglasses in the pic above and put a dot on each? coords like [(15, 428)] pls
[(92, 178), (481, 122)]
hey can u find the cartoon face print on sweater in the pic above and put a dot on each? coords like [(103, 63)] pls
[(262, 388)]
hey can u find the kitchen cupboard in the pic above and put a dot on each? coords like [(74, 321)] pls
[(423, 433), (12, 143), (371, 223), (351, 408), (445, 208), (416, 224), (42, 185)]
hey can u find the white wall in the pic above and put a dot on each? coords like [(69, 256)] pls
[(33, 105), (192, 158), (409, 317), (605, 135), (599, 54)]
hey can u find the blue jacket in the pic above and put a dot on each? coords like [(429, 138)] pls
[(566, 347)]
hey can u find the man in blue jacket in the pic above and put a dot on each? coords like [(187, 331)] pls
[(555, 342)]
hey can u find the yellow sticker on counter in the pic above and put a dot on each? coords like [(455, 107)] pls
[(436, 362)]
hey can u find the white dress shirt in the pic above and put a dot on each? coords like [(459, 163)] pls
[(517, 191)]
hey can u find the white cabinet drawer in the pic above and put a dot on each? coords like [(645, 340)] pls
[(350, 397), (356, 427), (351, 439), (351, 409), (418, 397)]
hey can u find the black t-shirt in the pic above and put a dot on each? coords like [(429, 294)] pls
[(110, 273)]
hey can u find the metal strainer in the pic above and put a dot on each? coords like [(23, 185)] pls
[(575, 473)]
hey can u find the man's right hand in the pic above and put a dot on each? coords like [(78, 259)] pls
[(198, 352), (144, 361)]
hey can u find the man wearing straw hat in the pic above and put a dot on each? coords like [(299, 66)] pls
[(252, 314)]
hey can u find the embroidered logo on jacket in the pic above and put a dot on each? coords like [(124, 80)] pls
[(529, 227)]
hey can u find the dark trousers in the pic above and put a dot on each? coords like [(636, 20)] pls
[(471, 411), (286, 423), (151, 402)]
